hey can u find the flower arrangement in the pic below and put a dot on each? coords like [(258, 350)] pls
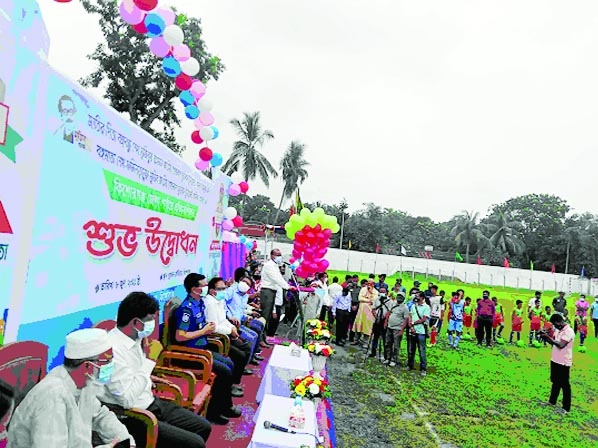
[(310, 387), (317, 349), (317, 330)]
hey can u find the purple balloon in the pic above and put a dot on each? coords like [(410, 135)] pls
[(227, 224), (202, 165), (234, 190), (167, 14), (159, 47), (131, 13), (198, 89), (181, 52)]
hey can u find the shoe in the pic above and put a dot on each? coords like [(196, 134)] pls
[(237, 393), (218, 420), (340, 344), (258, 352), (247, 371), (265, 345), (355, 342), (381, 358), (232, 412), (372, 355), (423, 373), (392, 364), (561, 411), (258, 357), (386, 362), (254, 362)]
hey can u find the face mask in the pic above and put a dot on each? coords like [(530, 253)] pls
[(383, 295), (220, 295), (104, 373), (278, 260), (243, 287), (148, 329), (204, 291)]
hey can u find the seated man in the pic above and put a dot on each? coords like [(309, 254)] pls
[(240, 351), (236, 302), (131, 385), (191, 330), (62, 410)]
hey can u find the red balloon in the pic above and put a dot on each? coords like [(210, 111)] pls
[(296, 254), (238, 221), (244, 186), (196, 138), (183, 82), (62, 1), (140, 27), (327, 232), (324, 264), (146, 5), (205, 154), (317, 228)]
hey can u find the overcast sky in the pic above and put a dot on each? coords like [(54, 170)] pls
[(431, 107)]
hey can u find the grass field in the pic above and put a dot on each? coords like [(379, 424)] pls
[(480, 397)]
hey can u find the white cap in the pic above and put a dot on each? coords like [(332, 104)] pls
[(87, 343)]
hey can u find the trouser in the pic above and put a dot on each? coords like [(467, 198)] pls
[(267, 297), (352, 316), (595, 327), (273, 324), (240, 352), (484, 329), (326, 315), (518, 335), (392, 347), (235, 367), (559, 376), (418, 341), (177, 426), (582, 337), (257, 326), (439, 327), (251, 337), (342, 324), (378, 331)]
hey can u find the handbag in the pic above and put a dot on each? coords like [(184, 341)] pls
[(425, 324)]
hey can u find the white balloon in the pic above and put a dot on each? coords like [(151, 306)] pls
[(236, 177), (190, 67), (204, 104), (173, 35), (230, 212), (206, 133)]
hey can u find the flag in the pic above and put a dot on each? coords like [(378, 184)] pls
[(583, 271), (350, 244), (377, 248), (403, 250), (505, 262), (458, 256), (298, 203), (479, 261), (531, 265), (552, 269)]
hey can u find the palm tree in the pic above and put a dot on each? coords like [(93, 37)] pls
[(293, 166), (504, 236), (246, 150), (467, 233)]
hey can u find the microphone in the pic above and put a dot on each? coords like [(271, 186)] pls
[(270, 425)]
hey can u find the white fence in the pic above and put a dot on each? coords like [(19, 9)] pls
[(353, 261)]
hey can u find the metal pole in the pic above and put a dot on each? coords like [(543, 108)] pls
[(567, 259), (342, 231), (348, 255)]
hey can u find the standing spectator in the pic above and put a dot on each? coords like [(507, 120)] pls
[(341, 309), (418, 322), (354, 290), (397, 322), (276, 313), (381, 308), (325, 300), (559, 304), (271, 280), (399, 287), (333, 290), (485, 317), (594, 312), (561, 361), (364, 320), (381, 283), (436, 304), (581, 310), (455, 326)]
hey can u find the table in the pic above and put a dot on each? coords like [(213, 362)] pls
[(276, 410), (282, 368)]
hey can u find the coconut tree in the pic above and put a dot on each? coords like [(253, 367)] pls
[(503, 235), (293, 166), (467, 232), (246, 156)]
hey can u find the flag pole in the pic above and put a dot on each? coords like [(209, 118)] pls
[(348, 255)]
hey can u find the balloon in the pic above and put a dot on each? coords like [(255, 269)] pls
[(174, 35), (205, 153), (234, 190), (327, 233), (236, 177), (254, 244), (228, 225), (248, 245), (146, 5), (192, 112), (324, 264), (159, 47), (196, 138), (181, 52), (198, 89), (205, 104), (140, 28), (206, 118), (206, 133), (131, 14), (230, 212), (201, 165), (190, 66), (167, 15), (183, 82), (296, 254), (216, 159), (215, 131), (186, 98), (244, 186), (305, 212), (155, 24), (242, 239), (238, 221), (171, 67)]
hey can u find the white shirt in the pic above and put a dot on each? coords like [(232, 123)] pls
[(216, 312), (55, 413), (435, 306), (325, 299), (532, 303), (271, 276), (131, 383), (278, 299), (334, 289)]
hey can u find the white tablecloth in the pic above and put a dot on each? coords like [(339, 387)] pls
[(282, 368), (277, 410)]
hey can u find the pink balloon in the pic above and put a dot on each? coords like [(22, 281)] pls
[(228, 224), (234, 190), (131, 13), (167, 14), (296, 254), (202, 165), (324, 264), (206, 118), (159, 47), (198, 89), (292, 260), (181, 52), (327, 233)]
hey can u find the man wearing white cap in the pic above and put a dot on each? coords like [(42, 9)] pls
[(62, 410)]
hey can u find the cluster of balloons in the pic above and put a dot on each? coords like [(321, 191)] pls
[(232, 220), (167, 42), (239, 186), (311, 233)]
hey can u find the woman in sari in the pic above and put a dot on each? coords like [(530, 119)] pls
[(365, 316)]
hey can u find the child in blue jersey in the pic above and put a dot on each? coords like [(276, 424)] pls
[(455, 326)]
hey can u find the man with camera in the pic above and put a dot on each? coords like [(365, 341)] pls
[(382, 306), (418, 332), (561, 360)]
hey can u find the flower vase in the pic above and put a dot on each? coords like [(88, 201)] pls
[(318, 362)]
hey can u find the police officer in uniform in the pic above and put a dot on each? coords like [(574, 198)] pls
[(192, 330)]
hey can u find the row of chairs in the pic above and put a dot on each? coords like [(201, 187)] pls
[(187, 371)]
